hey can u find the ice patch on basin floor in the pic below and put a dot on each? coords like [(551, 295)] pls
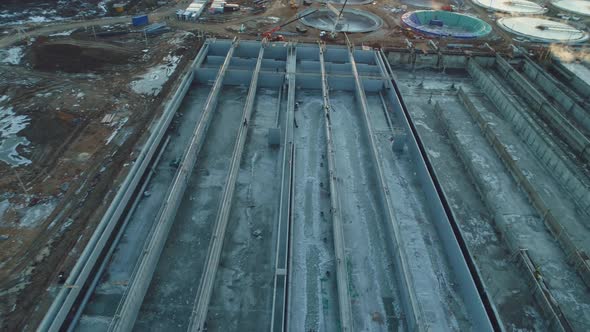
[(10, 125), (151, 83)]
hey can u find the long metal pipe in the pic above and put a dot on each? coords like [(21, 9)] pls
[(201, 304), (128, 310), (411, 308), (61, 306), (346, 322), (279, 302)]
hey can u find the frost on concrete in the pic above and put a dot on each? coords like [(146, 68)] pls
[(151, 83), (10, 125), (12, 55)]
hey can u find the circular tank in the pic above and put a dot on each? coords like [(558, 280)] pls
[(352, 20), (440, 23), (580, 7), (542, 30), (520, 7)]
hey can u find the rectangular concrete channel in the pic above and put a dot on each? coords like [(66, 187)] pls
[(395, 193), (505, 210)]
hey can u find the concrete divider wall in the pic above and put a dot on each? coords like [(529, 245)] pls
[(558, 91), (534, 137), (538, 103), (574, 255)]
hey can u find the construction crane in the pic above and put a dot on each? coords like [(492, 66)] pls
[(268, 35), (338, 14)]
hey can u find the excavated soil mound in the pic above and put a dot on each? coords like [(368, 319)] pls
[(79, 56)]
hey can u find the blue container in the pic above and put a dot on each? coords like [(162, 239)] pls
[(139, 20)]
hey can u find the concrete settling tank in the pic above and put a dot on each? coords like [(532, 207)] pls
[(542, 30), (352, 20), (439, 23), (580, 7), (520, 7)]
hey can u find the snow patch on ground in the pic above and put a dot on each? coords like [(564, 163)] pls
[(180, 38), (10, 125), (64, 33), (12, 55), (103, 5), (120, 125), (37, 214), (31, 15), (151, 83)]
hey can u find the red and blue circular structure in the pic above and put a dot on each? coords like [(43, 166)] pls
[(440, 23)]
